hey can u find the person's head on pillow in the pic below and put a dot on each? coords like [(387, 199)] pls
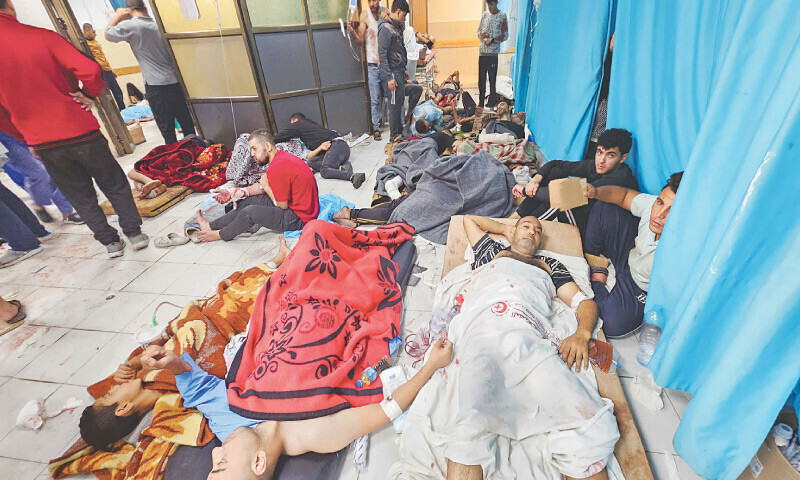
[(244, 454), (505, 108), (613, 146), (114, 415)]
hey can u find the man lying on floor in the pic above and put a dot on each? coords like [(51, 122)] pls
[(510, 406), (625, 226), (250, 448), (334, 162), (607, 168), (289, 198)]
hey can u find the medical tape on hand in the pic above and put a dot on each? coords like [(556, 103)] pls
[(391, 408), (577, 299)]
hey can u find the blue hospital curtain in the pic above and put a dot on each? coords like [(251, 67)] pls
[(559, 67), (713, 88)]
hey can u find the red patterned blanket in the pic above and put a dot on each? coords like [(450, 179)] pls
[(186, 163), (324, 316)]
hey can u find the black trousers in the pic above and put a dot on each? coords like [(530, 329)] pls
[(377, 215), (256, 210), (168, 105), (487, 65), (397, 99), (74, 166), (111, 81), (329, 162)]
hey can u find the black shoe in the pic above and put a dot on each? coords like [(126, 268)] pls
[(43, 216), (74, 219), (358, 179)]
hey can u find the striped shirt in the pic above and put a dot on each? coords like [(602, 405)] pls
[(486, 249)]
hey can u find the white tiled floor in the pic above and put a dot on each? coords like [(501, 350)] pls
[(83, 310)]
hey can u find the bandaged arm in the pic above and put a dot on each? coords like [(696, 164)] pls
[(575, 348), (334, 432)]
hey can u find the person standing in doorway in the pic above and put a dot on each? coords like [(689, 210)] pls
[(394, 58), (54, 116), (108, 75), (492, 31), (164, 94), (367, 31)]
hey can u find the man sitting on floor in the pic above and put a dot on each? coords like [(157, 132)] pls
[(289, 183), (251, 448), (509, 405), (630, 243), (608, 168), (334, 163)]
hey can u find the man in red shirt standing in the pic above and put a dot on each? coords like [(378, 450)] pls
[(40, 90), (290, 198)]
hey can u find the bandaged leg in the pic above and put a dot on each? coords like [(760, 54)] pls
[(393, 187)]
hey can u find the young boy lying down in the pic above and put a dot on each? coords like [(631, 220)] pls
[(250, 449)]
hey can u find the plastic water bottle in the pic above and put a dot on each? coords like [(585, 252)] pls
[(648, 338)]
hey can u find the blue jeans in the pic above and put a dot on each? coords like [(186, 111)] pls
[(375, 97), (611, 231), (18, 225), (37, 182)]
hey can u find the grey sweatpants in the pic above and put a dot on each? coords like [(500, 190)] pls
[(255, 210)]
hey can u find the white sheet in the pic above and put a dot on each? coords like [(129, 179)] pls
[(507, 401)]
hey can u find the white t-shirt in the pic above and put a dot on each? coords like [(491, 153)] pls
[(410, 41), (640, 259)]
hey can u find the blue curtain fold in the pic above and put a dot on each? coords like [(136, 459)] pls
[(559, 67), (712, 88)]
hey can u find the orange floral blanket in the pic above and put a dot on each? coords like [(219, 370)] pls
[(202, 329)]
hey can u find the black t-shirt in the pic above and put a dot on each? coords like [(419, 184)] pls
[(519, 130), (486, 249)]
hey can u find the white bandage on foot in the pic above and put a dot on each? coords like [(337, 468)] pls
[(391, 408), (577, 299), (393, 187)]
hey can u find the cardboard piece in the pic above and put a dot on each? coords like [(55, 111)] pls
[(136, 133), (567, 193), (769, 464)]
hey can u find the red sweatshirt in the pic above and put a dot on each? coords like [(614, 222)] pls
[(38, 71)]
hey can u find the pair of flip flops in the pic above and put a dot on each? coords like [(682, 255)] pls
[(171, 240), (8, 325)]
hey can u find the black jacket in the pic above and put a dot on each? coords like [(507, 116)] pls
[(308, 131), (391, 49)]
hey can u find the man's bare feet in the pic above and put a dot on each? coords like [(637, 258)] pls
[(342, 217), (283, 251), (206, 234), (149, 187)]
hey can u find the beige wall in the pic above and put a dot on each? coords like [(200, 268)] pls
[(454, 25)]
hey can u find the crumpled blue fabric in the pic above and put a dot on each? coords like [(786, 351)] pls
[(712, 88), (329, 204)]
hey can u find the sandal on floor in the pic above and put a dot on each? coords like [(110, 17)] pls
[(7, 326), (377, 135), (191, 234), (20, 312), (171, 240)]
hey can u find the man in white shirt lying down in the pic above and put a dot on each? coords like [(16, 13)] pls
[(518, 400)]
